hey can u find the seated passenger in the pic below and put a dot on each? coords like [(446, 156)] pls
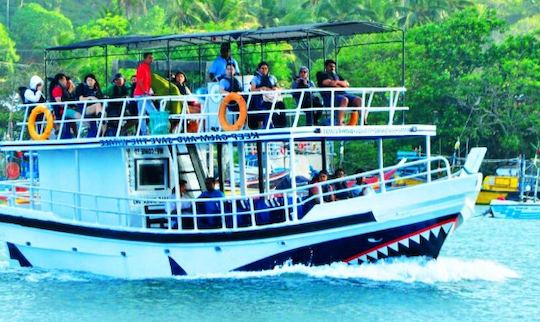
[(309, 101), (329, 78), (360, 188), (326, 191), (33, 94), (264, 81), (180, 80), (341, 186), (89, 90), (61, 91), (118, 89), (209, 207), (229, 84)]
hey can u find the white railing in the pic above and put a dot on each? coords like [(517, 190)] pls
[(129, 125), (275, 208)]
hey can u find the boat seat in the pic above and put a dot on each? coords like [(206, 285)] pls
[(156, 221)]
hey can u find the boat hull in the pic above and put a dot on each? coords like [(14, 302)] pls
[(515, 209), (413, 221), (160, 256)]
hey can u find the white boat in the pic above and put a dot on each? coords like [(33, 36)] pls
[(103, 205), (528, 205)]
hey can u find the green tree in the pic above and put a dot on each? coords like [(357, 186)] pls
[(35, 28), (8, 55), (154, 23), (108, 26)]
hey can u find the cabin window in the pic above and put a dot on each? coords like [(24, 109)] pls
[(152, 174)]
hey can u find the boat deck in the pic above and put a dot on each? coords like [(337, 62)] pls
[(378, 112)]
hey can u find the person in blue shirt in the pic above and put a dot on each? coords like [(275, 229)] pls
[(309, 101), (209, 207), (263, 81), (218, 68)]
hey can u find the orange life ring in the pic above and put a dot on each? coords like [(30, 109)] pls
[(353, 120), (32, 123), (222, 114)]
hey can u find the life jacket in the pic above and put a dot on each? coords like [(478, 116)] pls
[(234, 85), (266, 81), (119, 92)]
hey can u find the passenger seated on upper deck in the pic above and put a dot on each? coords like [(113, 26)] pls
[(118, 89), (326, 191), (264, 81), (89, 90), (329, 78), (61, 91), (230, 84), (340, 186), (33, 93), (309, 101), (209, 207), (218, 68), (181, 81)]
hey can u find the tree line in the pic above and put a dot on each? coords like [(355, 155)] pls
[(468, 70)]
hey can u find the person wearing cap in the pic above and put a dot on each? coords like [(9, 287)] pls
[(218, 69), (329, 78), (309, 100), (118, 89)]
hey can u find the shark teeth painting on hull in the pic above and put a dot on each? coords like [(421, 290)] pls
[(399, 247)]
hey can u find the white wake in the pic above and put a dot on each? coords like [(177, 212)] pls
[(407, 270)]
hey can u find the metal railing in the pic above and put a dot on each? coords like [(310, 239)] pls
[(235, 213), (126, 124)]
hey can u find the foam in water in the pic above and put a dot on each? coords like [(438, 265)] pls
[(408, 270)]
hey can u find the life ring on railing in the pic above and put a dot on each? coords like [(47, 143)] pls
[(40, 109), (222, 115), (353, 120)]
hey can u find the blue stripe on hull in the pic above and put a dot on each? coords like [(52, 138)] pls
[(345, 249)]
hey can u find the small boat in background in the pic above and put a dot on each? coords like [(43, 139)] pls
[(528, 205)]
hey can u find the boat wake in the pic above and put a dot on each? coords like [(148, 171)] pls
[(407, 270)]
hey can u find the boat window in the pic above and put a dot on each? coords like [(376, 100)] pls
[(152, 174)]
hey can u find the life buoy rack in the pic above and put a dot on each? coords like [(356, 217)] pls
[(353, 120), (222, 115), (40, 109)]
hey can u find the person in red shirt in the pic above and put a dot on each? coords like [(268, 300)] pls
[(143, 88)]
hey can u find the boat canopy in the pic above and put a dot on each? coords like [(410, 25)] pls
[(249, 36)]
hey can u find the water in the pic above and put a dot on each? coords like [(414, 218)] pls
[(488, 271)]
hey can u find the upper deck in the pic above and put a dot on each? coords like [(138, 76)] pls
[(116, 127)]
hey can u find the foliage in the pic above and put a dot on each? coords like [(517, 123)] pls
[(8, 55), (108, 26), (464, 72), (35, 28)]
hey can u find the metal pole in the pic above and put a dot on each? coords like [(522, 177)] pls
[(403, 71), (7, 15), (382, 183), (323, 155), (292, 176), (308, 51), (220, 165), (260, 166), (169, 65), (106, 65), (428, 156)]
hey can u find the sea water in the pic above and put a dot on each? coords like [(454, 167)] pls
[(489, 270)]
